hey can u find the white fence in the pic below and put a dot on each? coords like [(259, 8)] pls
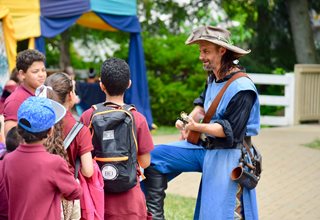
[(307, 93), (287, 100)]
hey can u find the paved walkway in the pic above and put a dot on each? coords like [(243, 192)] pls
[(290, 184)]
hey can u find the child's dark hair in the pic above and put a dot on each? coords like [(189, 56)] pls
[(13, 139), (115, 76), (92, 73), (26, 58), (14, 75), (30, 137)]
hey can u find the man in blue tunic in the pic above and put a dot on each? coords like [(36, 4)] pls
[(237, 118)]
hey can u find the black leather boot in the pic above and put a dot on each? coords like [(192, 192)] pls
[(155, 185)]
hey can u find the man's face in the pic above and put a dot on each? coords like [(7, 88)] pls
[(35, 75), (210, 56)]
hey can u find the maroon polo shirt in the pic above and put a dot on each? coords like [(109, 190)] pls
[(81, 144), (13, 102), (35, 181), (133, 204), (3, 196)]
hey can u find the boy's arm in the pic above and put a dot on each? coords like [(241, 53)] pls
[(86, 164), (86, 159), (86, 116), (10, 114), (144, 160), (144, 139), (2, 136), (66, 182)]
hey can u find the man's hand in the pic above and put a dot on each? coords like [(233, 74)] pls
[(191, 125), (197, 112), (181, 126)]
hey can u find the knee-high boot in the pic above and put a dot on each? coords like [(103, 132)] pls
[(155, 185)]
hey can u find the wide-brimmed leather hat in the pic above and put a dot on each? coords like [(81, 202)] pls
[(215, 35)]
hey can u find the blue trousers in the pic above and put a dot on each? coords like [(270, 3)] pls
[(173, 159)]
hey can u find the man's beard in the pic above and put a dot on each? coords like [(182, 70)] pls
[(207, 67)]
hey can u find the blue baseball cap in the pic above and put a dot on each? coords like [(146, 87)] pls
[(37, 114)]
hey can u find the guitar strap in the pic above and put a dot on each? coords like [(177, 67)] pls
[(213, 107)]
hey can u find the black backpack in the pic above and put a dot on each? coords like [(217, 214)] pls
[(115, 145)]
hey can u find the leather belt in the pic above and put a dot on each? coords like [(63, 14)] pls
[(211, 146)]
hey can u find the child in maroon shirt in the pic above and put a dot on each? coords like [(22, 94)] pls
[(59, 87), (131, 204), (9, 87), (31, 67), (33, 179)]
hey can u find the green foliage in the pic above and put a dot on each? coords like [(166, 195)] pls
[(268, 33), (168, 100), (175, 76), (179, 207), (52, 52), (171, 16)]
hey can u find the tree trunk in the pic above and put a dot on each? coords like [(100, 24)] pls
[(301, 31), (263, 40), (64, 50)]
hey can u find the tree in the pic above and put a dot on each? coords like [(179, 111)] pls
[(160, 17), (282, 34), (305, 49), (60, 51), (64, 45)]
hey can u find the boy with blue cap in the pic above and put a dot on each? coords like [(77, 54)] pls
[(33, 179)]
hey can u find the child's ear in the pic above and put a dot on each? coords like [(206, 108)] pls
[(70, 94), (50, 132), (103, 89), (22, 75), (129, 84)]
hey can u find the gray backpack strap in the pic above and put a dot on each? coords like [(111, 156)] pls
[(77, 167), (129, 107), (72, 134)]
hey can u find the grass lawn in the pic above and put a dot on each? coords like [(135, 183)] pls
[(176, 207), (165, 130), (179, 207), (315, 144)]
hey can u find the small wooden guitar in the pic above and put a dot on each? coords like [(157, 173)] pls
[(193, 137)]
